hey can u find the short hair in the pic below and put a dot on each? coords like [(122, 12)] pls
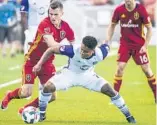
[(90, 42), (56, 4)]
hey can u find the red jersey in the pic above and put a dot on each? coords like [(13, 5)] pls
[(132, 24), (38, 46)]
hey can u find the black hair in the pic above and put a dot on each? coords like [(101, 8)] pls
[(56, 4), (90, 42)]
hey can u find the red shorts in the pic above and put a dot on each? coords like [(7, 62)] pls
[(124, 54), (46, 72)]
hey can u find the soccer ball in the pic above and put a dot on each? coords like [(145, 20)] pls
[(30, 115)]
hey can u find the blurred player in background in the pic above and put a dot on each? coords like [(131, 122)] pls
[(37, 12), (9, 18), (24, 9), (79, 72), (133, 41), (51, 30)]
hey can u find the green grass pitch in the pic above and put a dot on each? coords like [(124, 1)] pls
[(78, 106)]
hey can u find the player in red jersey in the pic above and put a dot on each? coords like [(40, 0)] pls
[(133, 42), (52, 29)]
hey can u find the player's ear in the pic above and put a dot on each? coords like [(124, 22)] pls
[(48, 12), (62, 12)]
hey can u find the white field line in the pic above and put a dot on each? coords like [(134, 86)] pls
[(3, 85), (14, 67), (10, 83)]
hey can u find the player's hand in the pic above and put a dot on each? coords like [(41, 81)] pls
[(36, 68), (143, 49)]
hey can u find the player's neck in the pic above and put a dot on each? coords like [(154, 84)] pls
[(131, 7), (58, 26)]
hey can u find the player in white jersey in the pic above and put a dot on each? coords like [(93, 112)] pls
[(38, 10), (79, 72)]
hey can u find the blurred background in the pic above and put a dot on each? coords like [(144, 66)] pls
[(19, 20), (18, 23)]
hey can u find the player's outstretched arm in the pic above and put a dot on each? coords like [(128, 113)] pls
[(45, 56)]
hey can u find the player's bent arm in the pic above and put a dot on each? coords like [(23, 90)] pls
[(104, 50), (66, 50), (148, 34), (49, 40), (110, 32), (48, 53)]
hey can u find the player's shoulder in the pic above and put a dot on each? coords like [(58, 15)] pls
[(76, 46), (120, 7), (45, 21), (140, 6), (65, 24)]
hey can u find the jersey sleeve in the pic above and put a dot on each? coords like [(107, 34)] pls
[(70, 34), (115, 16), (44, 28), (104, 50), (145, 16), (67, 50)]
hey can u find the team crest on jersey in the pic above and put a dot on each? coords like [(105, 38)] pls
[(123, 16), (28, 77), (136, 15), (47, 30), (62, 34)]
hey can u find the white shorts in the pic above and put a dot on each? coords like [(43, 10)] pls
[(65, 79)]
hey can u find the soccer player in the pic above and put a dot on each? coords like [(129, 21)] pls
[(50, 31), (79, 72), (133, 41)]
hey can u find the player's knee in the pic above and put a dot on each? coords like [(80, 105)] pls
[(108, 90), (25, 93), (147, 70), (53, 97), (120, 70), (49, 87)]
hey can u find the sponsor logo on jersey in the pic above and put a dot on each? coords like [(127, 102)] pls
[(136, 15), (123, 16), (130, 25), (41, 11)]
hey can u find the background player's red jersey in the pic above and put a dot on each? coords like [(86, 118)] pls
[(132, 24), (38, 46)]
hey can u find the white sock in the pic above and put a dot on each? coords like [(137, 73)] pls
[(43, 101), (119, 102)]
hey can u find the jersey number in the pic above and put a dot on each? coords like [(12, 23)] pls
[(144, 59)]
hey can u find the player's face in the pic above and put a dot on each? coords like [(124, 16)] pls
[(129, 2), (86, 52), (55, 15)]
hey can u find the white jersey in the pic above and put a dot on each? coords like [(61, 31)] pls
[(80, 71), (76, 63), (38, 10)]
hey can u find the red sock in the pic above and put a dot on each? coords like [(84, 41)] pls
[(117, 83), (152, 84), (15, 94), (34, 103)]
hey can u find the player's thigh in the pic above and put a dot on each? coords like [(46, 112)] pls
[(92, 81), (62, 79), (2, 34), (28, 76), (26, 90), (12, 33), (46, 72), (123, 54), (141, 58)]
